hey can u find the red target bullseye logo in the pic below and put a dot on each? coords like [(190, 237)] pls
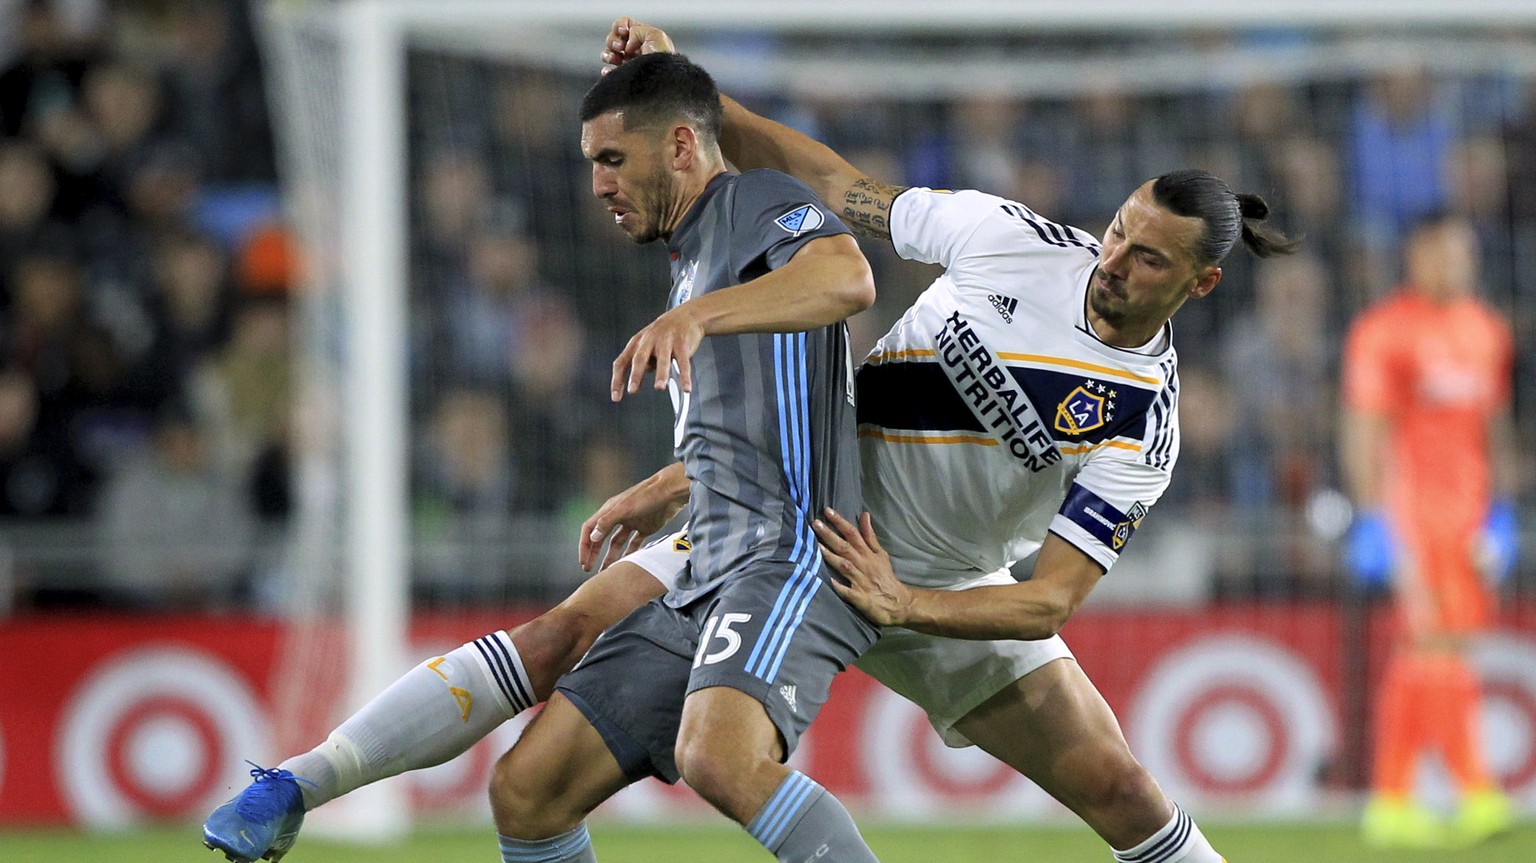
[(1234, 719), (1233, 704), (156, 734), (157, 756)]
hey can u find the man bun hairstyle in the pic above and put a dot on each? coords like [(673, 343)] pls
[(1228, 216), (656, 89)]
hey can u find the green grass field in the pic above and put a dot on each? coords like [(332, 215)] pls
[(623, 844)]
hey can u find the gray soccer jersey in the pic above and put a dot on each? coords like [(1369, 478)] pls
[(768, 434)]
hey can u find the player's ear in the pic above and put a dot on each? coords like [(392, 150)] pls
[(1205, 282), (683, 147)]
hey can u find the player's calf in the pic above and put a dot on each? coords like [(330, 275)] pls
[(544, 787)]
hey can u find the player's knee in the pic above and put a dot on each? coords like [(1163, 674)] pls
[(518, 810), (699, 765), (1117, 787), (710, 768), (550, 644)]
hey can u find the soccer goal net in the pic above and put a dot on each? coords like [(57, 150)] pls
[(465, 296)]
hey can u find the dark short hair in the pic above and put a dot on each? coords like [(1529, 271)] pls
[(1227, 215), (657, 88)]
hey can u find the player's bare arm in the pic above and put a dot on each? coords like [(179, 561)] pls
[(752, 141), (624, 521), (827, 280), (1363, 441), (1030, 610)]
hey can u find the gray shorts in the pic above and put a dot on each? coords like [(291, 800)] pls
[(774, 635)]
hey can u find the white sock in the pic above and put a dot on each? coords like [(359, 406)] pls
[(435, 712), (1179, 841)]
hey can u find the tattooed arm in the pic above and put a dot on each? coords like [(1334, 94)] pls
[(751, 141)]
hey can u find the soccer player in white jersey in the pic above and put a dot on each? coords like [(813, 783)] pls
[(1027, 401)]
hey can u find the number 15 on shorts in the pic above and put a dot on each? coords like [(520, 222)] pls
[(720, 626)]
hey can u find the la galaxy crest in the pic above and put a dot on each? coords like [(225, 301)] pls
[(1124, 529), (1086, 408)]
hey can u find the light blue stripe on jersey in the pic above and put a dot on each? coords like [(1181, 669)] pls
[(794, 624), (789, 609), (768, 827), (795, 468), (802, 466)]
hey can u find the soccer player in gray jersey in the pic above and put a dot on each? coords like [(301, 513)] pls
[(715, 683)]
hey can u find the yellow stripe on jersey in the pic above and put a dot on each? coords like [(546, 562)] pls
[(901, 355), (1078, 364), (1025, 358), (888, 437), (982, 440), (1090, 447)]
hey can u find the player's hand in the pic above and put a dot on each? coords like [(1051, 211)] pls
[(671, 338), (629, 39), (1499, 542), (1370, 549), (623, 522), (869, 583)]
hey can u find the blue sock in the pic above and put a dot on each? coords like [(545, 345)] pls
[(574, 846), (801, 822)]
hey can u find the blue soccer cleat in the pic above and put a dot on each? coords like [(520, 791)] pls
[(261, 821)]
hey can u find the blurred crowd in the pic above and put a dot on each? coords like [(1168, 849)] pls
[(144, 289), (148, 287)]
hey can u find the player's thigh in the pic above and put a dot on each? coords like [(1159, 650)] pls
[(630, 582), (730, 722), (550, 644), (1445, 596), (950, 677), (1051, 725), (558, 771)]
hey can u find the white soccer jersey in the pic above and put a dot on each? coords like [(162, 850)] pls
[(991, 414)]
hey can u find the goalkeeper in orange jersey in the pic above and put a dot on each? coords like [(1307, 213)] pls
[(1427, 452)]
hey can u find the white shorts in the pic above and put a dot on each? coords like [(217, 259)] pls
[(950, 677), (664, 557), (946, 677)]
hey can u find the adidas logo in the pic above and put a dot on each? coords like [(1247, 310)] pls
[(1006, 306), (789, 695)]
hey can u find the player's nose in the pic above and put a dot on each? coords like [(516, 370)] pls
[(604, 184)]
